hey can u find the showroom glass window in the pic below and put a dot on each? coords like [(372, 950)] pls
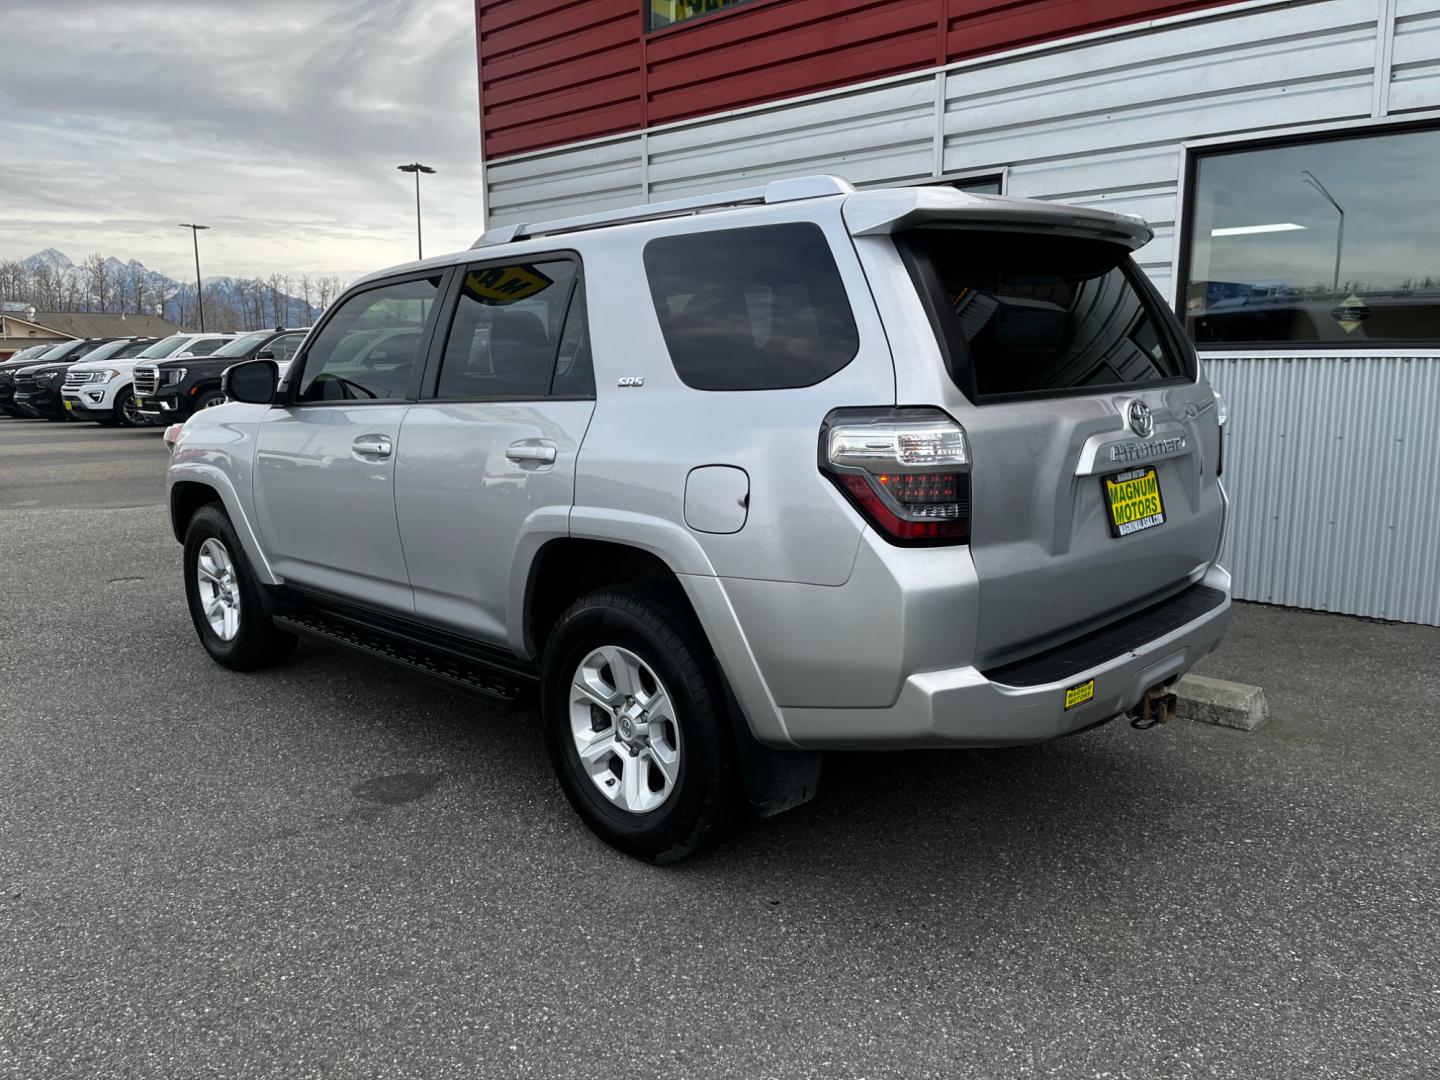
[(1334, 241), (662, 13)]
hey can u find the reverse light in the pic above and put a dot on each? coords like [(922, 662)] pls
[(906, 470)]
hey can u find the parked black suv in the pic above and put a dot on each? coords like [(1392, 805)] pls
[(13, 363), (16, 393), (168, 392)]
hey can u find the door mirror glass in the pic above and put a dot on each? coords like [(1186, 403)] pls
[(253, 382), (265, 354)]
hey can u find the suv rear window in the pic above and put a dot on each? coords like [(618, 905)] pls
[(1041, 316), (761, 308)]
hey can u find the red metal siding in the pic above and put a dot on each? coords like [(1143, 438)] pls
[(976, 26), (553, 71), (557, 71)]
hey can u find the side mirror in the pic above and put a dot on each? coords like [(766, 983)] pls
[(253, 382), (265, 354)]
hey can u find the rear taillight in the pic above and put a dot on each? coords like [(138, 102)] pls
[(906, 470)]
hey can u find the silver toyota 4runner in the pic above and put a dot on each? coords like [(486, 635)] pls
[(731, 481)]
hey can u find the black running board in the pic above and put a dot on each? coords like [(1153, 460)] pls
[(470, 675)]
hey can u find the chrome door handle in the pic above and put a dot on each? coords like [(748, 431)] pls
[(538, 452), (373, 445)]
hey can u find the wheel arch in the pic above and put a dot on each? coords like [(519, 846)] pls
[(565, 568), (195, 484)]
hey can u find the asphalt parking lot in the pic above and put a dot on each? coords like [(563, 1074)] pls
[(334, 870)]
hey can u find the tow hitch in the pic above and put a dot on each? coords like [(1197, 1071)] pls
[(1155, 708)]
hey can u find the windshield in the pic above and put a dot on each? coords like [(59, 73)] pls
[(94, 351), (163, 347), (242, 345), (104, 352), (26, 354), (59, 352)]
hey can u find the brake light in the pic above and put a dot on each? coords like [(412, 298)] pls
[(906, 470)]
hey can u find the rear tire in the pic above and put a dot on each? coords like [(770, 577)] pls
[(672, 731), (225, 599)]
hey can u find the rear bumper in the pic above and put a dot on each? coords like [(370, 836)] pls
[(966, 707)]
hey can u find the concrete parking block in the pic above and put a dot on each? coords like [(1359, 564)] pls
[(1217, 701)]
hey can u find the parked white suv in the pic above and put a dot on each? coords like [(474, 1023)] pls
[(103, 389), (813, 469)]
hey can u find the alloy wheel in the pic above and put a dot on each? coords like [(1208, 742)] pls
[(623, 724), (219, 590)]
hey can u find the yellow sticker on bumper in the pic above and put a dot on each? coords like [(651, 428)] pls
[(1078, 695)]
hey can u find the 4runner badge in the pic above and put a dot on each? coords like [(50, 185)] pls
[(632, 380)]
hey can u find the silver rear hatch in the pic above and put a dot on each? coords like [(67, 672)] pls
[(1030, 324)]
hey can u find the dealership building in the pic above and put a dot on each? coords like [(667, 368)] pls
[(1287, 156)]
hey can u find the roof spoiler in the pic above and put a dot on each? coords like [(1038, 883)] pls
[(890, 210)]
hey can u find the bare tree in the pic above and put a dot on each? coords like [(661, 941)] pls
[(97, 282), (306, 288), (139, 290), (14, 283), (44, 289), (115, 286)]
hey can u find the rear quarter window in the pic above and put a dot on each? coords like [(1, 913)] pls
[(759, 308), (1030, 315)]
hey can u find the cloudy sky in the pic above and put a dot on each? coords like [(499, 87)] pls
[(277, 122)]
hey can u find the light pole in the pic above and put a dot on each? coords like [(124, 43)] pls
[(1314, 182), (416, 168), (199, 288)]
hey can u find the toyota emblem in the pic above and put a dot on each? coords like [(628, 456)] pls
[(1141, 422)]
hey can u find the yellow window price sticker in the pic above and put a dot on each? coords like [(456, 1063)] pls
[(505, 284)]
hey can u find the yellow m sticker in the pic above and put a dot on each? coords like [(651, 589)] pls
[(504, 284)]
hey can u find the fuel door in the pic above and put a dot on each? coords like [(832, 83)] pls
[(717, 499)]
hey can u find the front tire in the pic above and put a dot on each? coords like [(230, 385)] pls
[(224, 597), (209, 400), (635, 724), (126, 414)]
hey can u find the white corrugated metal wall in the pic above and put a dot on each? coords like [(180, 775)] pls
[(1333, 469), (1102, 120)]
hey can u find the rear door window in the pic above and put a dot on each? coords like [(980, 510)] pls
[(508, 328), (1022, 315), (751, 309)]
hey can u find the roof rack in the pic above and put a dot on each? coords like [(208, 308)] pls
[(776, 191)]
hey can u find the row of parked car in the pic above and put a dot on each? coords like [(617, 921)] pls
[(133, 381)]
